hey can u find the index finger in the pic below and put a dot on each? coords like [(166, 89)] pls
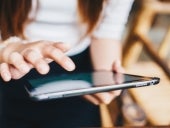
[(104, 97), (62, 46), (59, 57)]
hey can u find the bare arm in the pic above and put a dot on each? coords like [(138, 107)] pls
[(104, 52), (106, 55), (106, 48)]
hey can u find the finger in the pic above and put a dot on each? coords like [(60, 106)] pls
[(119, 78), (92, 99), (18, 61), (36, 59), (4, 71), (116, 93), (59, 57), (104, 97), (117, 67), (62, 46), (15, 73)]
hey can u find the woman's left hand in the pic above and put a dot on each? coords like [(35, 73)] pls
[(107, 97)]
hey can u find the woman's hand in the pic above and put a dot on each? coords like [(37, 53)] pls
[(105, 55), (107, 97), (17, 59)]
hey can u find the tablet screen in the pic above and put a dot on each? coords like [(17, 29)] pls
[(77, 81)]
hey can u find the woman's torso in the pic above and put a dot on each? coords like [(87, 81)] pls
[(57, 21)]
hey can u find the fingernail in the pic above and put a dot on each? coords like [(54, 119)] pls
[(43, 68), (6, 77), (69, 65)]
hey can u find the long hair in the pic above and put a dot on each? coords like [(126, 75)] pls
[(89, 11), (14, 15)]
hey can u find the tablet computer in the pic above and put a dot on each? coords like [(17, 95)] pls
[(82, 83)]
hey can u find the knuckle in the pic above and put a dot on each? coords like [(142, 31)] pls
[(43, 43), (50, 49), (4, 55), (13, 57), (28, 53), (55, 53)]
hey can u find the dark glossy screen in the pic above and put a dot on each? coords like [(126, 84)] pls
[(72, 81)]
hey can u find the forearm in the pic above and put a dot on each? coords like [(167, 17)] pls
[(104, 52)]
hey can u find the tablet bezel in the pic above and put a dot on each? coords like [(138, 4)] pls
[(143, 81)]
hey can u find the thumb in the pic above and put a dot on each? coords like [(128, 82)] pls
[(117, 67)]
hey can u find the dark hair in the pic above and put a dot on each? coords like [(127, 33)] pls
[(89, 11), (14, 15)]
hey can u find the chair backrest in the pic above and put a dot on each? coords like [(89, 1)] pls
[(138, 38)]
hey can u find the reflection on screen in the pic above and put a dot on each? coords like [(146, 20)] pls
[(72, 81)]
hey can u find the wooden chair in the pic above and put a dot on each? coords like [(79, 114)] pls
[(138, 38), (153, 100)]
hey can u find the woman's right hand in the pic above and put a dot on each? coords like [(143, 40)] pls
[(17, 59)]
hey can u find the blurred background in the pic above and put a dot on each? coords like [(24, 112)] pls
[(146, 52)]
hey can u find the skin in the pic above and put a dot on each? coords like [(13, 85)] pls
[(106, 55), (17, 59)]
